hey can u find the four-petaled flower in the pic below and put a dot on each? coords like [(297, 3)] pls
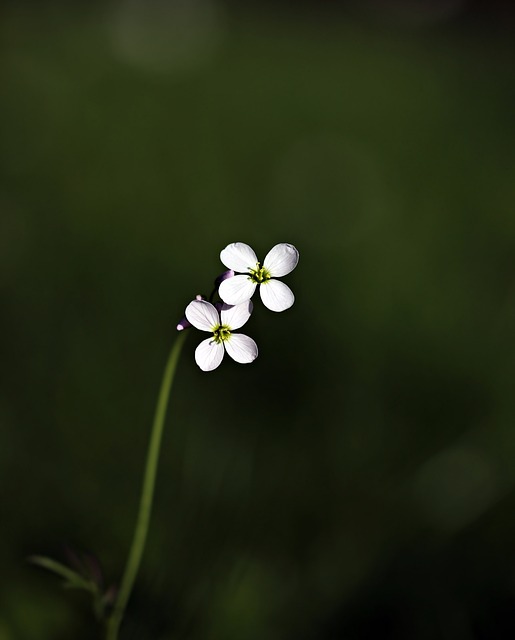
[(279, 261), (206, 317)]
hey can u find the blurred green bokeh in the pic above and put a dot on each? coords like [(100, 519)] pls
[(357, 481)]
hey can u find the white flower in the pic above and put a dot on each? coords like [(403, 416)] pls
[(279, 261), (205, 316)]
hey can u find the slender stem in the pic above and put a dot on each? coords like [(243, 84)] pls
[(147, 493)]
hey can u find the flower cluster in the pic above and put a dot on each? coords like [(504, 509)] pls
[(235, 288)]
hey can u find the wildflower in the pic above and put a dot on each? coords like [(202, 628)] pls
[(221, 323), (279, 261)]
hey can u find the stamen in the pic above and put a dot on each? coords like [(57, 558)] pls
[(221, 333), (259, 274)]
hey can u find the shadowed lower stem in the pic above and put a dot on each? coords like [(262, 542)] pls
[(147, 493)]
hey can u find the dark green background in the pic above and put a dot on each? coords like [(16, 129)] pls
[(357, 480)]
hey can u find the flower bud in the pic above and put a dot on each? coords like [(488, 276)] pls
[(223, 276)]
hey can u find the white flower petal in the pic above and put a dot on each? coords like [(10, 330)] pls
[(202, 315), (239, 257), (237, 315), (281, 259), (241, 348), (276, 295), (209, 354), (236, 290)]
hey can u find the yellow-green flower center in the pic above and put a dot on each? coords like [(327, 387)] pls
[(259, 274), (221, 333)]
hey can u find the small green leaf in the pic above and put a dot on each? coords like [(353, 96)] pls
[(72, 579)]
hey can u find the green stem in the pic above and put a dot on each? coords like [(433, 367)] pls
[(147, 493)]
